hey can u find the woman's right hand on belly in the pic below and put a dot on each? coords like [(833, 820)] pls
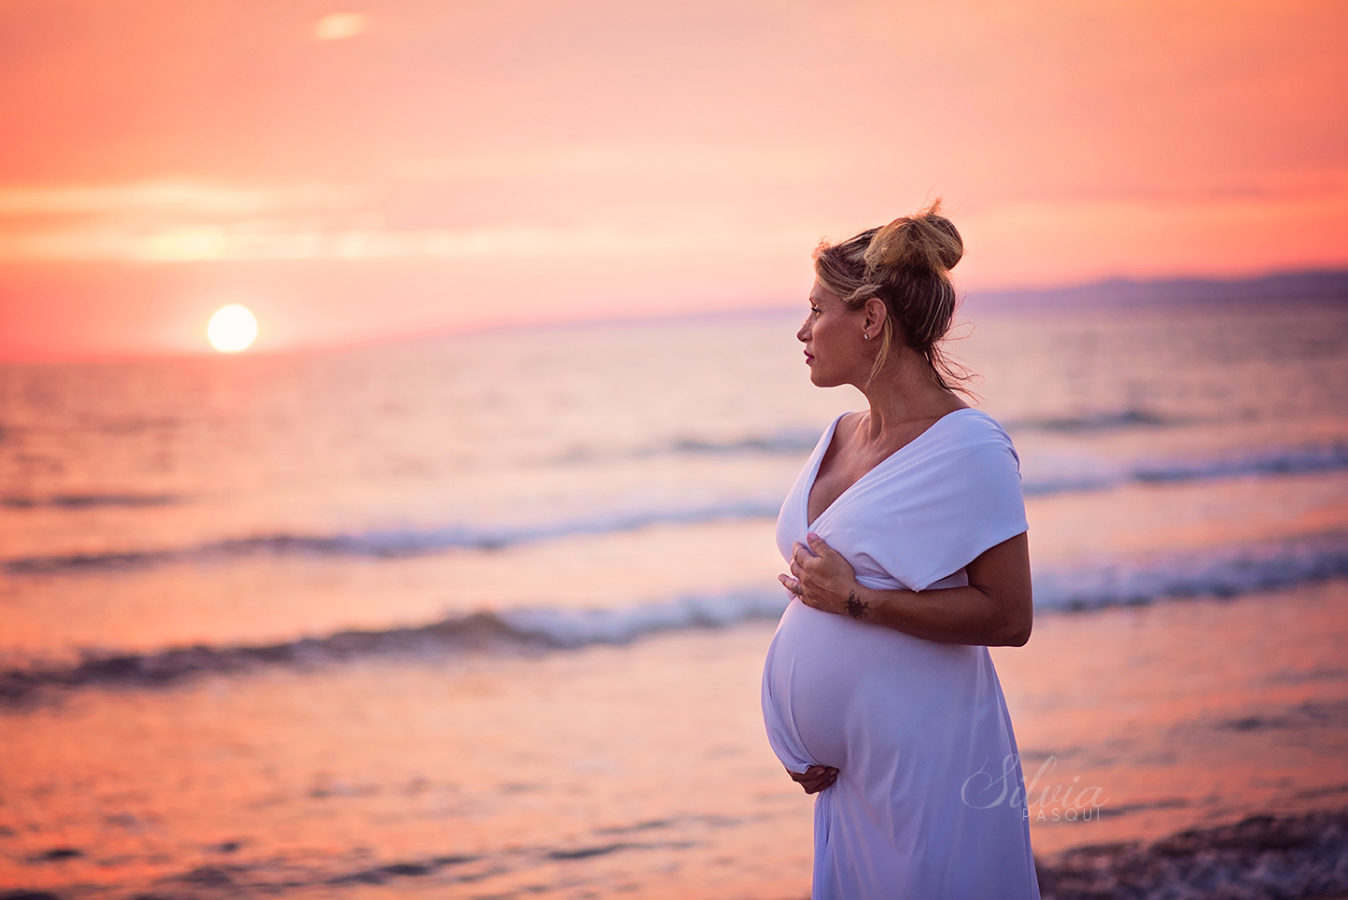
[(815, 778)]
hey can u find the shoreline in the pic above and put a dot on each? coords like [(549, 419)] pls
[(1292, 856), (1214, 768), (1302, 855)]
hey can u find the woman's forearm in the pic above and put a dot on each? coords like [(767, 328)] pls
[(957, 615)]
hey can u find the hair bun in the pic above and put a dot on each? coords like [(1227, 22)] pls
[(927, 240)]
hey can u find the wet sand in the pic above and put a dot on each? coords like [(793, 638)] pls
[(637, 770)]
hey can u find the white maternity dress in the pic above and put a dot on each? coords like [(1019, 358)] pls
[(929, 800)]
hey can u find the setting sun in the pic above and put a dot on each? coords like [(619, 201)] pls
[(232, 328)]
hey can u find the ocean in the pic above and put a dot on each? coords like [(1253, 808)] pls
[(483, 616)]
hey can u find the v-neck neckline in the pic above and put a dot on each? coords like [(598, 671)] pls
[(827, 443)]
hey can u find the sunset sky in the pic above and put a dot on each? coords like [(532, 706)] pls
[(392, 168)]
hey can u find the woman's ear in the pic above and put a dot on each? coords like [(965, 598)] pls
[(876, 313)]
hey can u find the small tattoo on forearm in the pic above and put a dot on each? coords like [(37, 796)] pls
[(856, 608)]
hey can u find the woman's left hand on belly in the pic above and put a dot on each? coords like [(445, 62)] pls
[(815, 778), (823, 579)]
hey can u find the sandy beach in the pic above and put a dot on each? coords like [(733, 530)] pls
[(390, 777)]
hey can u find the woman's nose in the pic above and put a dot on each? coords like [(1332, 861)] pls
[(803, 333)]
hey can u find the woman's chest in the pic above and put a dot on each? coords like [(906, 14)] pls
[(838, 471), (849, 458), (830, 484)]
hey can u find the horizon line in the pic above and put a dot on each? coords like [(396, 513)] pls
[(997, 294)]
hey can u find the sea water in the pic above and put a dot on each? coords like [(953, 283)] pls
[(483, 616)]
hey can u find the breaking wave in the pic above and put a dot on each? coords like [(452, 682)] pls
[(1219, 572)]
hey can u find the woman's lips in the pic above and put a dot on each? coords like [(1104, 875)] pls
[(809, 357)]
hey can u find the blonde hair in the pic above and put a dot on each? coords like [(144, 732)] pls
[(905, 264)]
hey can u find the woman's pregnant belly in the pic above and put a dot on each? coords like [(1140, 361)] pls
[(838, 687)]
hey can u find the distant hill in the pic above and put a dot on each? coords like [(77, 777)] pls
[(1330, 284)]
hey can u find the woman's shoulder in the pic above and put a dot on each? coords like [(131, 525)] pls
[(974, 419), (841, 427), (969, 425)]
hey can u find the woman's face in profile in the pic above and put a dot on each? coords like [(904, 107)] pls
[(830, 333)]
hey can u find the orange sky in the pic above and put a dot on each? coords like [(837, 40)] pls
[(390, 168)]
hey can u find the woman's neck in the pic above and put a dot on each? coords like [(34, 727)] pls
[(904, 392)]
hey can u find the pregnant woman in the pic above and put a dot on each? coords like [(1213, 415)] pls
[(905, 536)]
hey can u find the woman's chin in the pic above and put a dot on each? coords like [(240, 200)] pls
[(821, 379)]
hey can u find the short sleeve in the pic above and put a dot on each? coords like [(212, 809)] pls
[(972, 502)]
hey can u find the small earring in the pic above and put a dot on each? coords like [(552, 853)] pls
[(865, 336)]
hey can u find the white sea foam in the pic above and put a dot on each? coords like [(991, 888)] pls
[(1218, 572)]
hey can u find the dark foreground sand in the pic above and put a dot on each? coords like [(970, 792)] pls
[(1261, 856)]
